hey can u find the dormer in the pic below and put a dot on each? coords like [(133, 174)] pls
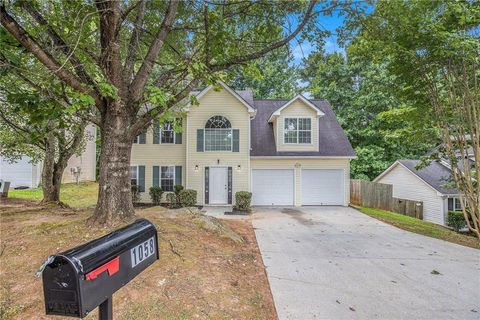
[(295, 125)]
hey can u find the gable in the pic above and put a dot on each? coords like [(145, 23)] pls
[(299, 108), (298, 102), (224, 87)]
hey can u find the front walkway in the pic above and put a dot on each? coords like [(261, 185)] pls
[(337, 263)]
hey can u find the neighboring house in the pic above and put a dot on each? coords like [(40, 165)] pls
[(286, 152), (431, 185), (24, 173)]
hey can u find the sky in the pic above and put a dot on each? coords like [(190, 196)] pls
[(330, 23)]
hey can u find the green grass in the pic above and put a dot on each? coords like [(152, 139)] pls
[(421, 227), (82, 195)]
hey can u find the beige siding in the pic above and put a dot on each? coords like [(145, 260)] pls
[(299, 164), (297, 108), (408, 186), (150, 155), (225, 104), (86, 160)]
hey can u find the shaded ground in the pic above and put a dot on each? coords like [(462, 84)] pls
[(337, 263), (421, 227), (202, 274)]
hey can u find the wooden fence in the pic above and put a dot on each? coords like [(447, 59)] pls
[(378, 195)]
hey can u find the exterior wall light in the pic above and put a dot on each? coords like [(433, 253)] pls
[(239, 167), (196, 167)]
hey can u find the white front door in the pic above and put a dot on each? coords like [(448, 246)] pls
[(218, 185)]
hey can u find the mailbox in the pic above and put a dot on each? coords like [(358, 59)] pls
[(78, 280)]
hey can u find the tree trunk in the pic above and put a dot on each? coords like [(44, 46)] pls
[(114, 193), (52, 172), (51, 190)]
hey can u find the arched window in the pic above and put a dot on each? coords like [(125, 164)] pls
[(218, 134), (218, 122)]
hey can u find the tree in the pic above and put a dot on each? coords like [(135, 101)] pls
[(35, 125), (433, 48), (362, 94), (124, 55), (271, 77)]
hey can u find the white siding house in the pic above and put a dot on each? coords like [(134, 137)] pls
[(428, 185), (20, 173)]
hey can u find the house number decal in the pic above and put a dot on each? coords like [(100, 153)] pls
[(142, 251)]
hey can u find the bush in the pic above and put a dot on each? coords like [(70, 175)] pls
[(177, 188), (135, 193), (456, 220), (156, 195), (243, 200), (171, 200), (188, 197)]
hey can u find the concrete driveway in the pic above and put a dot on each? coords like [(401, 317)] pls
[(337, 263)]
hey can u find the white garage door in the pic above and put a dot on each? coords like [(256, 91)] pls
[(272, 187), (323, 187)]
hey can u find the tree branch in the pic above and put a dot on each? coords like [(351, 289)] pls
[(110, 60), (45, 58), (61, 44), (134, 41), (273, 46), (138, 84)]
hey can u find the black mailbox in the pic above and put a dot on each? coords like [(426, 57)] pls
[(78, 280)]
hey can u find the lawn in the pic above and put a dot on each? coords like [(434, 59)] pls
[(421, 227), (202, 273), (83, 195)]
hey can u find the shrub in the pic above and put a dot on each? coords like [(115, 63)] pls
[(188, 197), (171, 199), (156, 195), (135, 193), (243, 200), (177, 188), (456, 220)]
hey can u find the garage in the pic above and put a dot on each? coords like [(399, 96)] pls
[(323, 187), (273, 187)]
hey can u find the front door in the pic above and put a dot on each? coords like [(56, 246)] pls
[(218, 185)]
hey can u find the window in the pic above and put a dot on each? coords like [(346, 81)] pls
[(134, 175), (167, 133), (136, 139), (297, 130), (454, 204), (218, 134), (167, 178)]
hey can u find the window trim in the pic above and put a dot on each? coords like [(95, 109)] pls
[(136, 175), (456, 201), (298, 140), (160, 132), (205, 135), (160, 177)]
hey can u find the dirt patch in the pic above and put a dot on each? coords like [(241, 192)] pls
[(200, 275)]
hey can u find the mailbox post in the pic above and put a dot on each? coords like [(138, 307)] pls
[(78, 280)]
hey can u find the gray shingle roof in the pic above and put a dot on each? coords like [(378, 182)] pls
[(332, 139), (435, 174)]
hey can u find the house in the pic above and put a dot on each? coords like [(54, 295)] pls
[(286, 152), (431, 185), (25, 174)]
